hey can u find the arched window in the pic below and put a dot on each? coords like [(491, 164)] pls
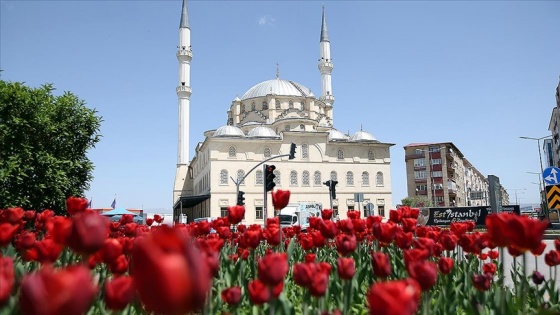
[(340, 154), (291, 104), (365, 179), (223, 177), (264, 105), (334, 176), (267, 153), (302, 127), (304, 151), (305, 178), (379, 179), (349, 179), (259, 177), (293, 178), (277, 104), (242, 108), (287, 128), (253, 106), (302, 104), (370, 155), (232, 151), (317, 178), (240, 175), (276, 179)]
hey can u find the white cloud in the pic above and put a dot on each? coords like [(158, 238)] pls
[(266, 20)]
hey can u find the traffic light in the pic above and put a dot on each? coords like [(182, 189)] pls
[(240, 198), (269, 177), (333, 188), (292, 151)]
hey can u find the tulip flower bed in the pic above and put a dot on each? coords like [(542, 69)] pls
[(84, 264)]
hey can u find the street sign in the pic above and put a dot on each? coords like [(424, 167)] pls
[(369, 208), (551, 175), (553, 196), (358, 197)]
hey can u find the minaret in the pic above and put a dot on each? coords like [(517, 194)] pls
[(184, 55), (325, 64)]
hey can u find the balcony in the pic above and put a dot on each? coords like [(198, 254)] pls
[(422, 192), (414, 156), (184, 90), (452, 191), (420, 180), (420, 168)]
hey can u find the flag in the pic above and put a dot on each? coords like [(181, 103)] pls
[(114, 204), (89, 202)]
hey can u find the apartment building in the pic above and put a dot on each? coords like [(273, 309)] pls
[(441, 173), (552, 148)]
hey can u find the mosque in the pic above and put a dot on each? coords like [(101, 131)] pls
[(262, 124)]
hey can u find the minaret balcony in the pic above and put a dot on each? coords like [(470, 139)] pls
[(325, 66), (183, 90), (184, 54), (327, 99)]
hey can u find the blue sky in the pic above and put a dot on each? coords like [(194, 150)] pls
[(479, 74)]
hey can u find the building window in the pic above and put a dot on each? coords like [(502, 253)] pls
[(277, 104), (240, 175), (267, 153), (421, 187), (253, 106), (302, 104), (223, 177), (418, 151), (370, 155), (301, 127), (305, 178), (317, 178), (340, 154), (242, 108), (381, 210), (349, 179), (419, 174), (232, 152), (350, 208), (304, 151), (435, 161), (287, 128), (277, 178), (420, 162), (291, 104), (437, 174), (335, 212), (264, 105), (365, 179), (334, 176), (259, 177), (223, 212), (259, 215), (434, 149), (293, 178), (379, 179)]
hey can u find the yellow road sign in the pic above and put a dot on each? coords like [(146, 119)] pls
[(553, 196)]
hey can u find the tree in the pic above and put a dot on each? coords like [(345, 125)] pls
[(416, 202), (43, 144)]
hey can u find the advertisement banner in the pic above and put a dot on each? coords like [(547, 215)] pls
[(446, 216)]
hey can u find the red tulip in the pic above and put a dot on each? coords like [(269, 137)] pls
[(149, 221), (319, 283), (403, 240), (328, 228), (231, 296), (252, 236), (158, 218), (385, 233), (493, 254), (318, 239), (119, 265), (552, 258), (448, 241), (326, 214), (165, 259), (346, 268), (424, 272), (273, 268), (75, 205), (89, 231), (557, 243), (445, 265), (47, 250), (381, 265), (409, 224), (489, 268), (508, 229), (259, 293), (280, 199), (395, 215), (353, 214), (304, 273), (393, 298), (7, 232), (27, 240), (272, 234), (50, 292), (112, 249), (13, 215), (539, 250), (118, 292), (7, 278), (236, 214), (537, 277), (482, 282), (346, 244)]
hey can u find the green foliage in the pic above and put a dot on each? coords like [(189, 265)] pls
[(44, 139), (416, 202)]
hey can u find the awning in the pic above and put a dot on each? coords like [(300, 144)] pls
[(189, 201)]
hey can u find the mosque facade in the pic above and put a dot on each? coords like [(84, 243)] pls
[(262, 124)]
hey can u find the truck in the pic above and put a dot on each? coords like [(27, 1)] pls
[(299, 213)]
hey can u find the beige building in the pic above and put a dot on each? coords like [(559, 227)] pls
[(261, 125), (441, 173)]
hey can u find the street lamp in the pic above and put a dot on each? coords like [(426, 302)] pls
[(515, 192), (540, 164)]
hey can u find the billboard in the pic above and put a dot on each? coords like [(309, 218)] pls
[(446, 216)]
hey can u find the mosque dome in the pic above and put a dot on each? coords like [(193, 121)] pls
[(278, 87), (262, 132), (228, 131), (363, 136), (337, 135)]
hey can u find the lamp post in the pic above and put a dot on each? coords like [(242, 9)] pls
[(515, 192), (545, 205)]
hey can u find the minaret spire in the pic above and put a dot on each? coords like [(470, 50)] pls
[(325, 64), (184, 16)]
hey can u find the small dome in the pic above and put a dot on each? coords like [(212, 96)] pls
[(362, 136), (237, 99), (337, 135), (262, 132), (277, 87), (228, 131)]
